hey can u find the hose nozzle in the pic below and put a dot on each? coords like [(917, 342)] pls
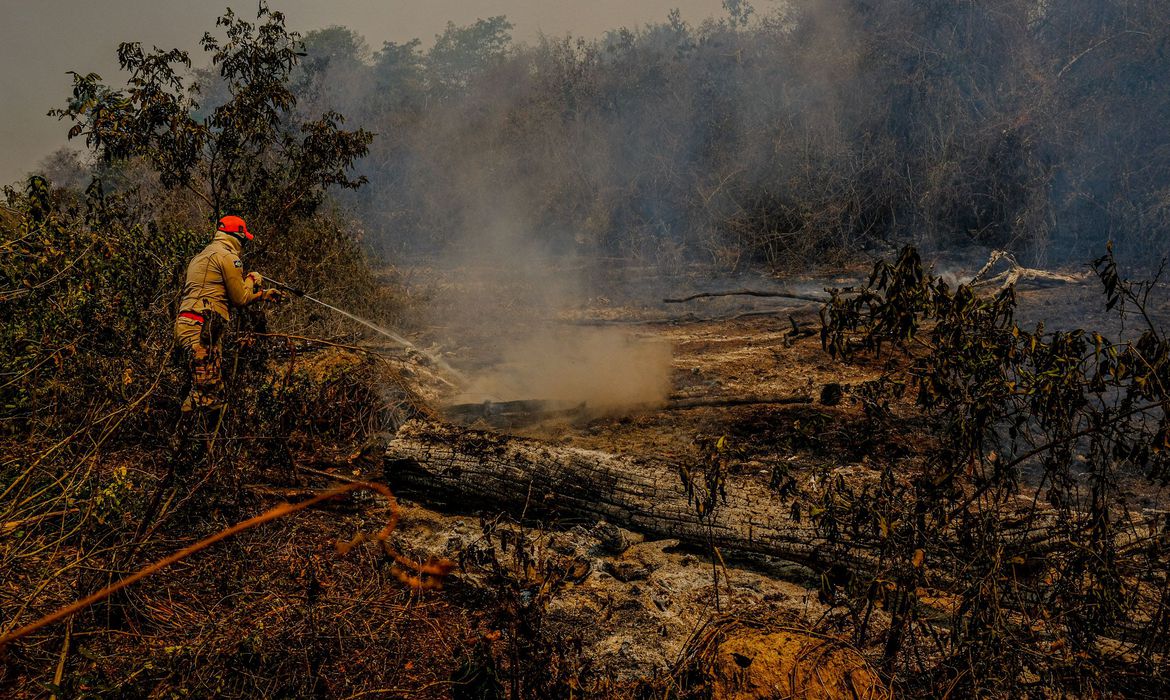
[(286, 287)]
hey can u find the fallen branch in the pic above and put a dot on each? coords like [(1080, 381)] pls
[(517, 413), (59, 674), (1018, 273), (750, 293), (686, 318)]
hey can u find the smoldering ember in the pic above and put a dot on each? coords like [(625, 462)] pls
[(741, 350)]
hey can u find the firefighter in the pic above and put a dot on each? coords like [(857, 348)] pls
[(215, 283)]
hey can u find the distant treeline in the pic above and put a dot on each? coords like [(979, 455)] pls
[(779, 137)]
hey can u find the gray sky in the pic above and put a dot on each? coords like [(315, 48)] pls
[(42, 39)]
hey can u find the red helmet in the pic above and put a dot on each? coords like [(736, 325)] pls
[(235, 226)]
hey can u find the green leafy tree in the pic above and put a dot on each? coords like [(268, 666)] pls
[(90, 278), (460, 53), (335, 74), (249, 155), (399, 76)]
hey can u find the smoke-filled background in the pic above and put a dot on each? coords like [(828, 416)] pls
[(782, 135), (778, 134)]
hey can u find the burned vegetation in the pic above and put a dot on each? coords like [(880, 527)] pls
[(780, 356)]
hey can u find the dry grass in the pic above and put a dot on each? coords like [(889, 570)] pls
[(275, 610)]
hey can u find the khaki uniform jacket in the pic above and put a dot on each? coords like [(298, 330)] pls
[(215, 279)]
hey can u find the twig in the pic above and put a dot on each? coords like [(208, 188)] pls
[(8, 527), (329, 475), (60, 673), (12, 294), (1094, 47), (416, 402), (45, 455)]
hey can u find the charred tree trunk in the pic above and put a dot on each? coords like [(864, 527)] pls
[(523, 476)]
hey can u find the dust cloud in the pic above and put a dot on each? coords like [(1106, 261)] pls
[(506, 315), (505, 310), (607, 369)]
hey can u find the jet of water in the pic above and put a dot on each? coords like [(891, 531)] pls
[(435, 359)]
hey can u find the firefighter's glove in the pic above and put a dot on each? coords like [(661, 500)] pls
[(254, 281), (275, 296)]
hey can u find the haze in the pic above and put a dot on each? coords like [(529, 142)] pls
[(41, 40)]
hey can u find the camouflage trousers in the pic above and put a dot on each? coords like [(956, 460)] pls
[(201, 342)]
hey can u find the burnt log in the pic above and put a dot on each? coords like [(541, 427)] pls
[(471, 468), (442, 464), (525, 477)]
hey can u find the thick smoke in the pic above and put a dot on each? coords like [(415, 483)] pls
[(790, 138), (606, 369), (803, 133), (507, 302)]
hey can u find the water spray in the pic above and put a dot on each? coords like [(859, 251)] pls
[(435, 359)]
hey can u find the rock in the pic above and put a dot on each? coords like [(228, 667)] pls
[(612, 539), (752, 663), (627, 571), (578, 570), (640, 560), (577, 542)]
